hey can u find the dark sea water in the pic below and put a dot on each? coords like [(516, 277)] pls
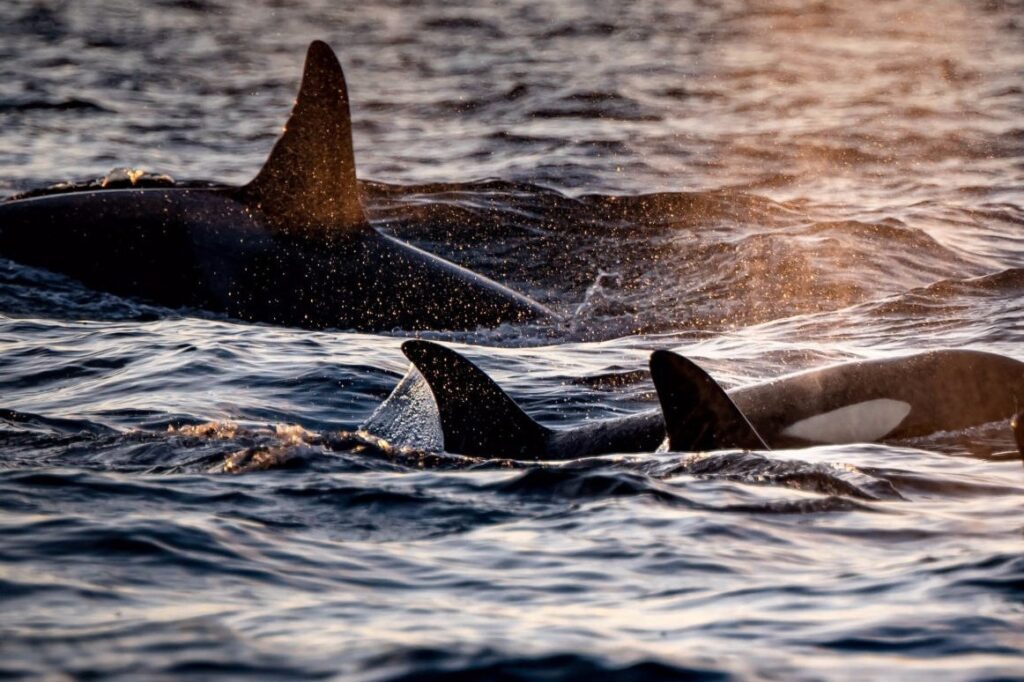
[(763, 186)]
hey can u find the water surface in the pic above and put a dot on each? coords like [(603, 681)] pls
[(765, 187)]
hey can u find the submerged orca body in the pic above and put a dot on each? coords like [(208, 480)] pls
[(865, 401), (292, 247)]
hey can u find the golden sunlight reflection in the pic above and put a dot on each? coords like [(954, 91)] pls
[(846, 105)]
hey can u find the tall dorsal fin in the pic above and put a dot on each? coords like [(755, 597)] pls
[(477, 417), (699, 415), (308, 185)]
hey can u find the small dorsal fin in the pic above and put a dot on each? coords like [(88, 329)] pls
[(699, 415), (308, 184), (477, 417)]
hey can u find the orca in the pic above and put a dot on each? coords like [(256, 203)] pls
[(292, 247), (888, 399), (864, 401), (477, 418)]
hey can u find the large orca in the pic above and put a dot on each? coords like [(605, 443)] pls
[(291, 247), (866, 401)]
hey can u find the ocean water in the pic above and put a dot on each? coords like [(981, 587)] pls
[(763, 186)]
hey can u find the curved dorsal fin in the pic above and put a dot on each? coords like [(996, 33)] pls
[(308, 185), (477, 417), (699, 415)]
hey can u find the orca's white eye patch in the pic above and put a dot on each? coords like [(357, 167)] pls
[(863, 422)]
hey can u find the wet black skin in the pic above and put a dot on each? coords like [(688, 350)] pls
[(201, 248), (947, 390)]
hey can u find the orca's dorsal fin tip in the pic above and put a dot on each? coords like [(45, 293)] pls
[(308, 183), (318, 49)]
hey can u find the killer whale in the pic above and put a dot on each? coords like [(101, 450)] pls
[(864, 401), (292, 247), (476, 417), (887, 399), (700, 415)]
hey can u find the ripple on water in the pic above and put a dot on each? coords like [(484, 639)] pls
[(766, 188)]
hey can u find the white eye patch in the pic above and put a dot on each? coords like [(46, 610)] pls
[(863, 422)]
